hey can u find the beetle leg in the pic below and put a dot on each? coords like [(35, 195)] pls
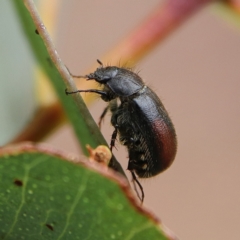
[(102, 93), (102, 116), (113, 106), (114, 137), (135, 180)]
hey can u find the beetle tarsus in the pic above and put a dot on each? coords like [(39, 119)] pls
[(66, 91), (135, 180)]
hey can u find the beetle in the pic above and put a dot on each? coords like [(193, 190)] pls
[(139, 118)]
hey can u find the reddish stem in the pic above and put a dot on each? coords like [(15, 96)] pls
[(160, 23), (44, 121)]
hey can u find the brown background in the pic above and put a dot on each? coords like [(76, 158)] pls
[(196, 73)]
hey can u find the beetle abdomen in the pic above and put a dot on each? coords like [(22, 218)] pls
[(149, 134)]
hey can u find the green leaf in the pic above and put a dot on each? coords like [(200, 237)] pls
[(44, 196), (85, 128)]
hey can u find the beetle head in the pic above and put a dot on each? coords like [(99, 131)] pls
[(103, 74), (121, 81)]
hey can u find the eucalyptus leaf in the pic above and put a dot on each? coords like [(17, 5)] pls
[(44, 196)]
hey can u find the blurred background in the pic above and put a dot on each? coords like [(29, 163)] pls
[(196, 73)]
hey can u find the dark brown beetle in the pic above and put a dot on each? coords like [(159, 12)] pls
[(140, 120)]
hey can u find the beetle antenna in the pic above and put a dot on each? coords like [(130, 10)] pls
[(77, 76), (100, 63), (135, 180), (74, 76)]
